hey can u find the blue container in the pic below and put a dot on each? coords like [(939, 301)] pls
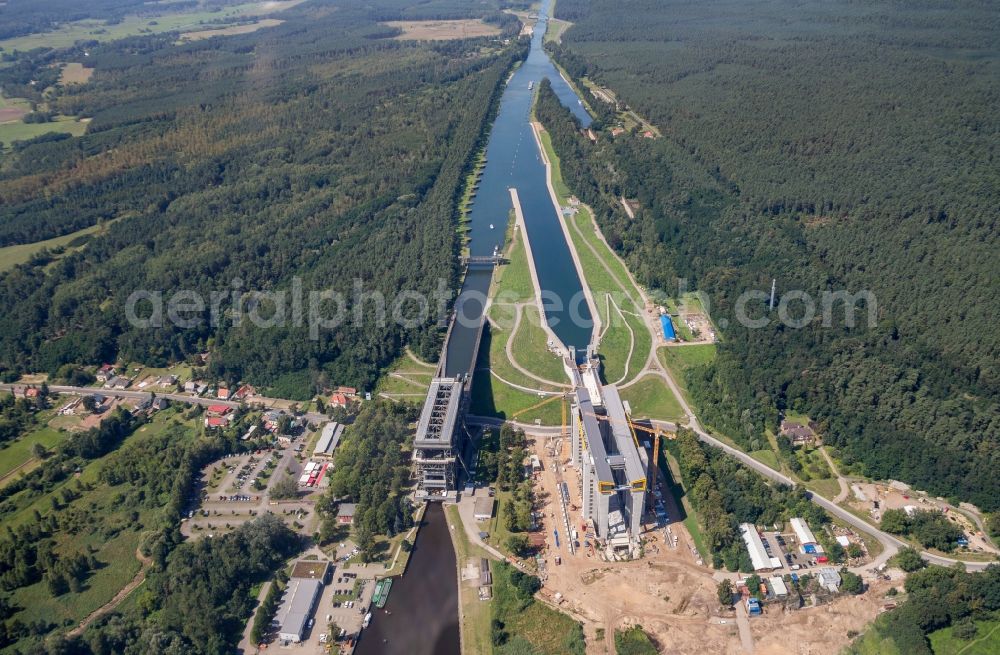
[(668, 328)]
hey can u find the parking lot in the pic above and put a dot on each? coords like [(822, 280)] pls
[(229, 497)]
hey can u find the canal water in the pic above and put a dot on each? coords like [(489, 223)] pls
[(513, 160), (422, 616), (423, 604)]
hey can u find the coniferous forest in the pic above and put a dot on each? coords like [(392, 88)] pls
[(320, 149), (828, 146)]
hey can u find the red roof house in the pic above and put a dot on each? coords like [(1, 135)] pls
[(219, 410)]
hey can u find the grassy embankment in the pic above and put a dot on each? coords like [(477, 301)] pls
[(626, 340), (407, 378), (475, 614)]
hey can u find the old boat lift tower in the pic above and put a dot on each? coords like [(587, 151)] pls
[(441, 431)]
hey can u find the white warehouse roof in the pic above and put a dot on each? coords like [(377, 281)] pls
[(778, 586), (758, 555), (296, 607), (802, 531)]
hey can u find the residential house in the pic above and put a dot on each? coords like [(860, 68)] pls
[(345, 513), (105, 373), (338, 400), (796, 432)]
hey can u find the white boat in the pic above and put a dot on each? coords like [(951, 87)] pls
[(531, 85), (491, 226)]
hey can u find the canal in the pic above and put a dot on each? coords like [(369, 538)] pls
[(513, 160), (422, 616)]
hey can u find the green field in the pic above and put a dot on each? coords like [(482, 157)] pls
[(475, 613), (97, 30), (18, 451), (530, 348), (651, 398), (986, 641), (20, 131), (490, 397), (11, 256)]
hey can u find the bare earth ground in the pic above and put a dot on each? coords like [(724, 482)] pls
[(672, 597), (10, 114), (442, 30), (75, 73)]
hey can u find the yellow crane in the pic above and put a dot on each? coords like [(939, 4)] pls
[(657, 433)]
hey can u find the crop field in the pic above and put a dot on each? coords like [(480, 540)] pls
[(75, 73), (442, 30), (229, 31), (95, 30)]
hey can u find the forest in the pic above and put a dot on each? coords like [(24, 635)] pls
[(319, 150), (827, 146), (372, 469), (937, 598)]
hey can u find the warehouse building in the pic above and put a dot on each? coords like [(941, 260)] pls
[(329, 439), (778, 586), (297, 606), (802, 531), (759, 557)]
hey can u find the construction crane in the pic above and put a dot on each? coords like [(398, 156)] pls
[(657, 433)]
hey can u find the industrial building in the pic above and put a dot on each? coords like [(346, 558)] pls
[(436, 443), (329, 439), (802, 531), (612, 465), (297, 606), (829, 579), (483, 510), (759, 556), (778, 586)]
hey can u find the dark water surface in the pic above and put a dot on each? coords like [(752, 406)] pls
[(424, 602)]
